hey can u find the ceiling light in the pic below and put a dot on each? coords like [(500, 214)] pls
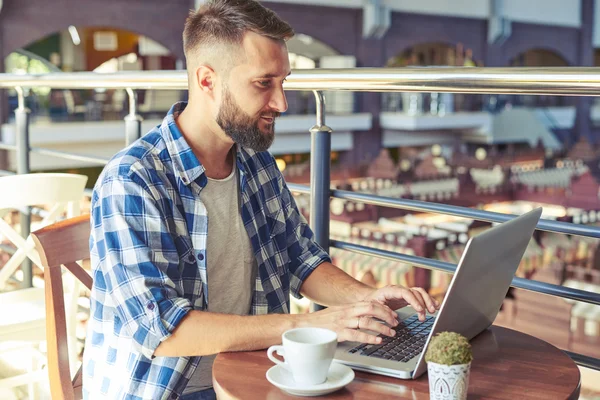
[(74, 35)]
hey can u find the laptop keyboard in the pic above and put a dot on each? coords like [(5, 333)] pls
[(411, 335)]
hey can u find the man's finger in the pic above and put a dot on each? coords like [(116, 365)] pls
[(372, 325), (427, 298), (357, 336), (419, 297), (374, 309), (416, 302)]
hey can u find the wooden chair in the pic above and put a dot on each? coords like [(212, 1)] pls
[(23, 316), (62, 244)]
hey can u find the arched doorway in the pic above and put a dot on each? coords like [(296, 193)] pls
[(99, 49), (434, 53), (538, 58), (307, 52)]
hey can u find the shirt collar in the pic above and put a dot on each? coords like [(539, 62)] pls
[(186, 164)]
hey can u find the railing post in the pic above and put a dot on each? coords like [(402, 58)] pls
[(22, 118), (320, 178), (133, 121)]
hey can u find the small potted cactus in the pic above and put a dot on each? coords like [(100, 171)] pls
[(448, 364)]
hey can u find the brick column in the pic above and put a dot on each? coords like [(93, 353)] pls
[(582, 126), (3, 105), (3, 94), (367, 144)]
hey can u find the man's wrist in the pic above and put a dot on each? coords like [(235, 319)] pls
[(364, 292), (293, 321)]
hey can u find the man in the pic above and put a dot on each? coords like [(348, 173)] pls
[(196, 240)]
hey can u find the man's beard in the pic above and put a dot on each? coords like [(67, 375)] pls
[(242, 128)]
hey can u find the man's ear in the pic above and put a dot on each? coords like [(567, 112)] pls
[(206, 79)]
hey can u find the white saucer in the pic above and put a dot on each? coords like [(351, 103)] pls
[(338, 376)]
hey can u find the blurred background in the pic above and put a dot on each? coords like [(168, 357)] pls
[(504, 153)]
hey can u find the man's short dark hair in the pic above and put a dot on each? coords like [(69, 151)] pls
[(221, 24)]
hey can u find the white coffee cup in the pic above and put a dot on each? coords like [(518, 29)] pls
[(307, 353)]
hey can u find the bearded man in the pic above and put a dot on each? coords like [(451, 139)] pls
[(196, 240)]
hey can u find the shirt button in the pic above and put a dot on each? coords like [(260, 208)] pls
[(200, 256), (151, 306)]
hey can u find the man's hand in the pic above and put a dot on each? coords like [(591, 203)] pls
[(346, 321), (396, 297)]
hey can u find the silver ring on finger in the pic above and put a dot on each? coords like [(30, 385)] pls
[(358, 323)]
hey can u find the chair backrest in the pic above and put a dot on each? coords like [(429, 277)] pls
[(31, 189), (62, 244)]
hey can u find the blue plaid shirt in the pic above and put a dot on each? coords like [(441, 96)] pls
[(148, 254)]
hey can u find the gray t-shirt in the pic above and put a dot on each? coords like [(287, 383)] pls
[(231, 272)]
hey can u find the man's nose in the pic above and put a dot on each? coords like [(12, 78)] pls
[(278, 101)]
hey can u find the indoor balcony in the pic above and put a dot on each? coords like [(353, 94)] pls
[(538, 286), (425, 119)]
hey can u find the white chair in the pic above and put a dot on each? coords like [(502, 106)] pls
[(22, 311)]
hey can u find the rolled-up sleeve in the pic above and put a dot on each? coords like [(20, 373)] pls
[(304, 252), (136, 255)]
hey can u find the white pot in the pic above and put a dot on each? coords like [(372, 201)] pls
[(448, 382)]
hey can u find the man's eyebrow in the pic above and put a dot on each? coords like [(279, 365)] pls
[(269, 76)]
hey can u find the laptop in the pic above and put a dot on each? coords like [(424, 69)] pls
[(474, 297)]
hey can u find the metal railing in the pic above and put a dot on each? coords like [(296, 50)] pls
[(565, 81), (533, 81)]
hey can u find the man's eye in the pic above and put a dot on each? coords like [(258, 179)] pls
[(264, 83)]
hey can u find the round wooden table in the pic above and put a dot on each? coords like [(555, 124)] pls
[(507, 365)]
